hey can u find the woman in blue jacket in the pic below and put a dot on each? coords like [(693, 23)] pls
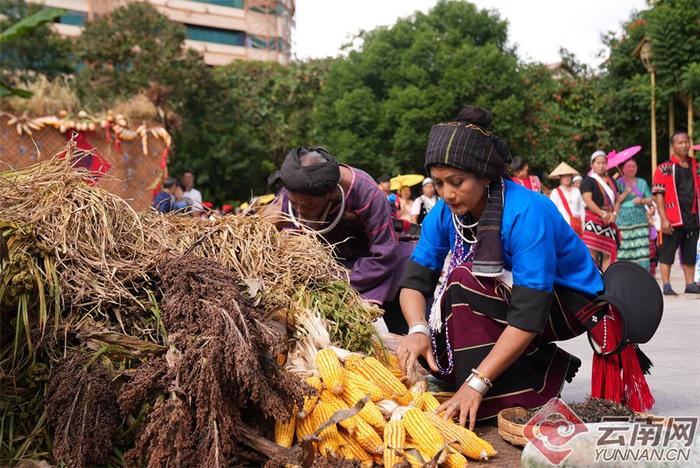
[(517, 275)]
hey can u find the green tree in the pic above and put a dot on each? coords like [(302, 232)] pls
[(377, 105), (34, 49), (132, 48), (259, 111), (562, 118)]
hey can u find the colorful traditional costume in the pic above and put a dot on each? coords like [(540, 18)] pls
[(634, 224), (597, 235), (364, 238), (520, 265)]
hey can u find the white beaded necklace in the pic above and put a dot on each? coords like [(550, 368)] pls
[(460, 227)]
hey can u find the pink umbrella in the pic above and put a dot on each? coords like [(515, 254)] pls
[(615, 159)]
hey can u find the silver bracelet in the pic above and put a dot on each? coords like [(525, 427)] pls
[(419, 328), (477, 384)]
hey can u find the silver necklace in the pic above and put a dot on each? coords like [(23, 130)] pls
[(460, 227), (331, 226)]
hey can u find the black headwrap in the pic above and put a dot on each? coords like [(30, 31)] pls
[(315, 179), (465, 145)]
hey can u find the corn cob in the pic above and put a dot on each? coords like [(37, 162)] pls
[(405, 399), (354, 363), (394, 442), (368, 438), (329, 436), (355, 380), (352, 450), (425, 434), (349, 424), (284, 431), (426, 401), (310, 400), (374, 371), (378, 460), (304, 428), (370, 412), (332, 373), (411, 457), (468, 442), (455, 460)]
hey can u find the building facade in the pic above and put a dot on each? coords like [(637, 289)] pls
[(221, 30)]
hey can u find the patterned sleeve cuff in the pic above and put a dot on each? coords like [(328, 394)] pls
[(529, 308), (420, 278), (658, 189)]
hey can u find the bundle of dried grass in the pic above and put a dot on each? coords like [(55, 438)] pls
[(49, 97), (136, 109), (103, 252)]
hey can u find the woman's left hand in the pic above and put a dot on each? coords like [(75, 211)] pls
[(466, 402), (638, 201)]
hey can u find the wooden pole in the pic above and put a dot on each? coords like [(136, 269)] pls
[(653, 125), (671, 122), (690, 123)]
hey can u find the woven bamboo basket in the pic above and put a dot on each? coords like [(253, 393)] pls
[(510, 431)]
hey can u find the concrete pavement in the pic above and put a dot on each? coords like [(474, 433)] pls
[(674, 351)]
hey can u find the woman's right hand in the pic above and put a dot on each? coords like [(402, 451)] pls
[(411, 348)]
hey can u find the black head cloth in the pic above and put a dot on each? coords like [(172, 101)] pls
[(314, 179), (466, 144)]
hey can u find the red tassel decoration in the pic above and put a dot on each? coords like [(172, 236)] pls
[(618, 377)]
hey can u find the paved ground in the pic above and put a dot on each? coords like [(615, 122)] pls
[(674, 350)]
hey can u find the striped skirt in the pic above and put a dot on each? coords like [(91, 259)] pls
[(599, 237), (634, 230), (475, 310)]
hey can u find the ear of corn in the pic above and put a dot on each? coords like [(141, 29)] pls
[(349, 424), (304, 428), (455, 460), (332, 372), (467, 441), (412, 453), (352, 450), (394, 443), (374, 371), (370, 412), (423, 432), (329, 436), (354, 380), (368, 438), (310, 400), (284, 431), (427, 402)]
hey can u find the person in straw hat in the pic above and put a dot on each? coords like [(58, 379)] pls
[(568, 198)]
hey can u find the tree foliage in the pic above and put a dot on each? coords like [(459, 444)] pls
[(28, 44), (373, 107), (378, 104), (255, 113)]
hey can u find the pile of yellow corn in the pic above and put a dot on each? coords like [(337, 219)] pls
[(395, 425)]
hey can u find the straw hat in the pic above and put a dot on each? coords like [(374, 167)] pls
[(562, 169)]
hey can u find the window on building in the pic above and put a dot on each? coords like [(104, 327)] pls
[(216, 35), (273, 43), (75, 18), (226, 3)]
